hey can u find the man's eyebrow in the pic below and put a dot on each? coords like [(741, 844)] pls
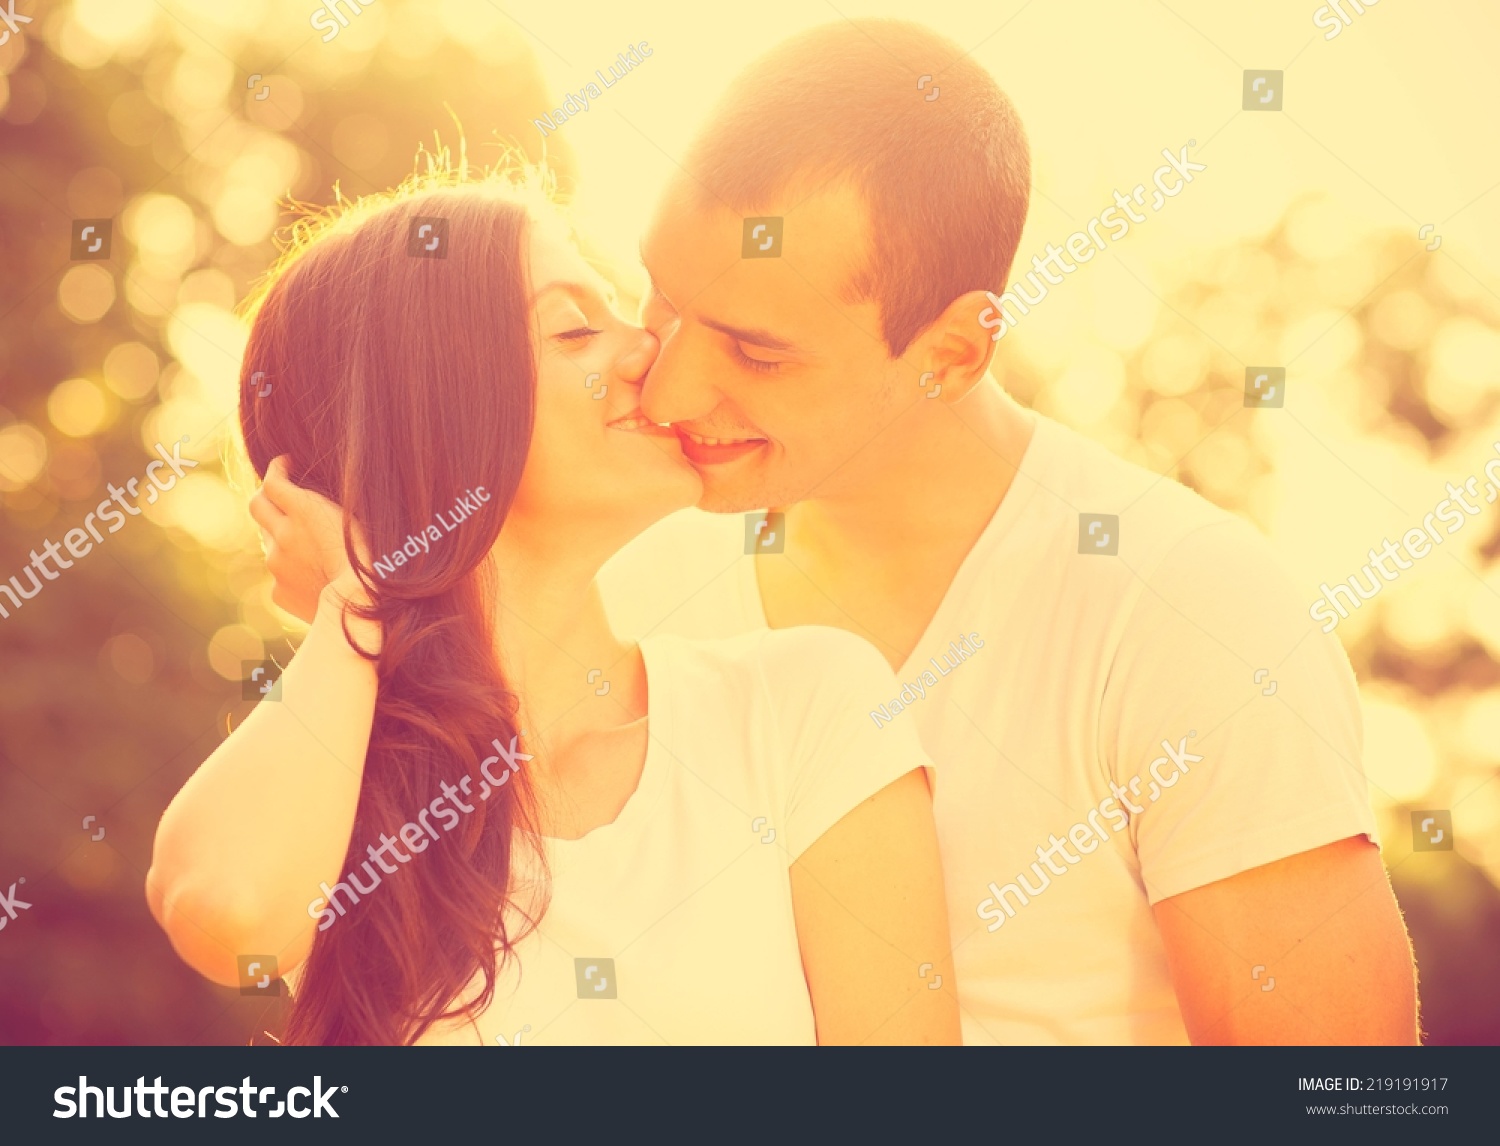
[(753, 336)]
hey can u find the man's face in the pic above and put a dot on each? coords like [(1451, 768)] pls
[(777, 388)]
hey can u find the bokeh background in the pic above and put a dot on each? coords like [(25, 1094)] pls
[(193, 123)]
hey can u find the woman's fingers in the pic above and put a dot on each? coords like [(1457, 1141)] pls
[(279, 488), (287, 495), (264, 513), (305, 529), (295, 500)]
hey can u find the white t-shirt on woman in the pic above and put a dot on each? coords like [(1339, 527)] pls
[(674, 924)]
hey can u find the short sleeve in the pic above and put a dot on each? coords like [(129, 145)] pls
[(1229, 718), (826, 687)]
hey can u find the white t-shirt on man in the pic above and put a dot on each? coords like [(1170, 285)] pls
[(673, 924), (1164, 653)]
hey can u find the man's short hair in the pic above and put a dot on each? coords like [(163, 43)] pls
[(945, 179)]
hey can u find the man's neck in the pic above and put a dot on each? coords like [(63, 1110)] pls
[(947, 480), (877, 559)]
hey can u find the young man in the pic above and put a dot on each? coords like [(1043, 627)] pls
[(1153, 815)]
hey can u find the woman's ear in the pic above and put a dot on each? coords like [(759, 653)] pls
[(955, 350)]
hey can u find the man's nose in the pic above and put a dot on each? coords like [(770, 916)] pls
[(680, 387), (674, 390)]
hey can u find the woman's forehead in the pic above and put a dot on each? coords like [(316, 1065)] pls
[(555, 261)]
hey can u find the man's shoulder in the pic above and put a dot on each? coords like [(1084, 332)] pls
[(1155, 512), (1184, 569), (1096, 527)]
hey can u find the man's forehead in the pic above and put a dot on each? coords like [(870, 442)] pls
[(823, 233)]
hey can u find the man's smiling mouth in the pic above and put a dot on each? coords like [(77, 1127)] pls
[(706, 449), (703, 440)]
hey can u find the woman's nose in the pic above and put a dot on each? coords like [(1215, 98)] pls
[(640, 353)]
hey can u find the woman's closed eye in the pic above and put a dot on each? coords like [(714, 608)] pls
[(578, 333)]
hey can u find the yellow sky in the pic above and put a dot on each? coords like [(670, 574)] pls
[(1395, 117)]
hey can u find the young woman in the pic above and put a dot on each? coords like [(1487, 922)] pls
[(473, 814)]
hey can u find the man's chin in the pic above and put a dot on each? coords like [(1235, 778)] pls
[(718, 499)]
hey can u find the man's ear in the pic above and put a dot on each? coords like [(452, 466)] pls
[(956, 348)]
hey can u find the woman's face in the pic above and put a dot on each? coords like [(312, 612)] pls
[(597, 469)]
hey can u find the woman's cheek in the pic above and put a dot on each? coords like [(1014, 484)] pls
[(574, 383)]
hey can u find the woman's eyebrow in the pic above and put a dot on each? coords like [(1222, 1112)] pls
[(601, 290), (568, 285)]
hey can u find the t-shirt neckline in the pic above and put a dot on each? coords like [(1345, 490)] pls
[(648, 789)]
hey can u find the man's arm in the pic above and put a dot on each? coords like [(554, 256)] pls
[(1308, 949)]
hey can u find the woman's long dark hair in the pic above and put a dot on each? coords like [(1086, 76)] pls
[(394, 365)]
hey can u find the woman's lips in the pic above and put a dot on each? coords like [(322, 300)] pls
[(637, 423), (706, 450)]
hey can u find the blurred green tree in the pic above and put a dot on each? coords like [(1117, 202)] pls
[(120, 677)]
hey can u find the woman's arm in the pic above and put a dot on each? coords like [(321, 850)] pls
[(872, 923), (242, 848)]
